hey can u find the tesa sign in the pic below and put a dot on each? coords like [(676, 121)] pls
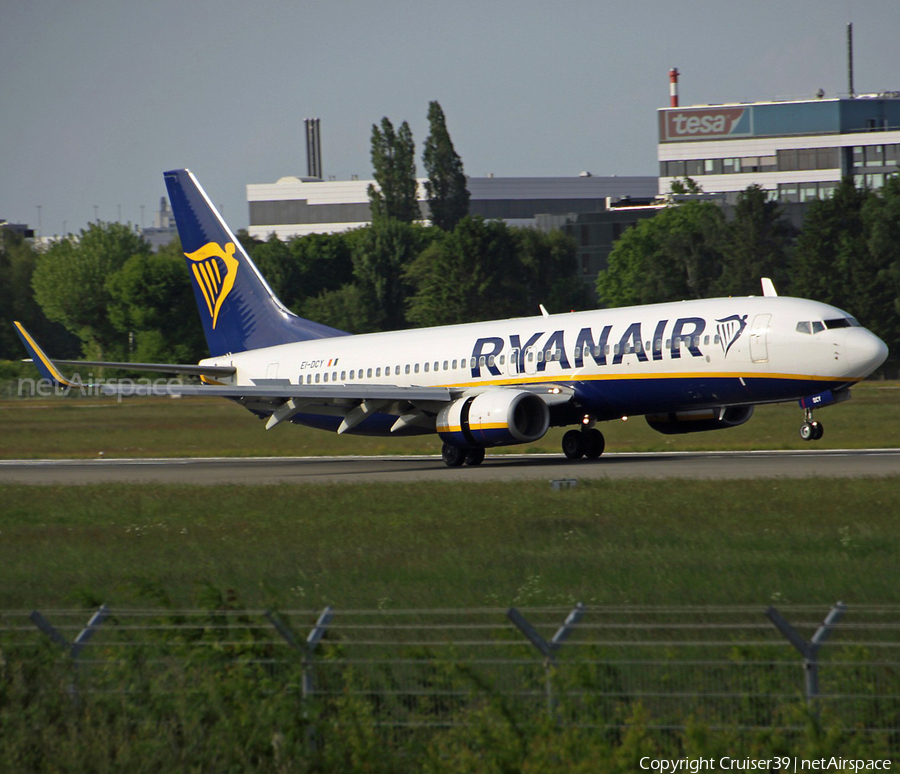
[(701, 124)]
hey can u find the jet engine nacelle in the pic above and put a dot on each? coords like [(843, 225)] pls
[(494, 418), (678, 422)]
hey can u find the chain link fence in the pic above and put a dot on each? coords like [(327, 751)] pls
[(739, 667)]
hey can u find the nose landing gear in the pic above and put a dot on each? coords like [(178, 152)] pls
[(811, 430)]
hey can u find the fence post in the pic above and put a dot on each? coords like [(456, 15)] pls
[(809, 650), (547, 649), (306, 650), (74, 649)]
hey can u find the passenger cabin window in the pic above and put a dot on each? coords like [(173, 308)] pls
[(426, 367), (343, 376), (416, 368), (446, 365), (317, 378), (368, 373), (406, 368), (377, 372), (454, 365)]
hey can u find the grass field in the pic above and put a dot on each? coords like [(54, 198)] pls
[(161, 427), (445, 545)]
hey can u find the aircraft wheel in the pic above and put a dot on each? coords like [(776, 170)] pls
[(818, 431), (573, 444), (475, 456), (807, 431), (453, 456), (594, 443)]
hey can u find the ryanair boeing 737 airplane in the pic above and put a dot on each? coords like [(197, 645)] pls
[(688, 366)]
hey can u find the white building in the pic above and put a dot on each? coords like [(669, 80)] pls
[(294, 206), (797, 150)]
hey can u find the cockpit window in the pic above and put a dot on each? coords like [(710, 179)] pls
[(841, 322), (803, 327), (817, 327)]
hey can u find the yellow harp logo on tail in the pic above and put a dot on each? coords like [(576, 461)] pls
[(215, 281)]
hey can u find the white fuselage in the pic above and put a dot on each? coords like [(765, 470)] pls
[(626, 361)]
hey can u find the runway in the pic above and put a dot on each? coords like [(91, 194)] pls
[(831, 463)]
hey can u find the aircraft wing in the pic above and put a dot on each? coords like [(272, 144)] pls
[(277, 398)]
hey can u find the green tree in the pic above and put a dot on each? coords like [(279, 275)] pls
[(151, 296), (18, 259), (548, 273), (381, 254), (346, 308), (394, 164), (877, 292), (677, 254), (469, 274), (757, 245), (831, 243), (70, 284), (448, 196)]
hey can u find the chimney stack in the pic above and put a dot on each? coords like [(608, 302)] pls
[(673, 87), (850, 61), (313, 148)]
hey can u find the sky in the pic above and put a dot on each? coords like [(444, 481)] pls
[(98, 98)]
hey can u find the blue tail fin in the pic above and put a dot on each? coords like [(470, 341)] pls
[(238, 308)]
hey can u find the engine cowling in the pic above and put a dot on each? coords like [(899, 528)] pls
[(678, 422), (494, 418)]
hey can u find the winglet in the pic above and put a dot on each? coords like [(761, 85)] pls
[(44, 364), (768, 287)]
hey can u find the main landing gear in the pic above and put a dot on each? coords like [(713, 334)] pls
[(811, 430), (455, 456), (587, 442)]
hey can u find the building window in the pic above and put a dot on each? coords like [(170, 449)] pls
[(808, 192), (827, 158), (693, 167), (731, 166), (875, 156), (787, 192)]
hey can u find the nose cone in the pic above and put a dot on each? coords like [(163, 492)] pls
[(865, 352)]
